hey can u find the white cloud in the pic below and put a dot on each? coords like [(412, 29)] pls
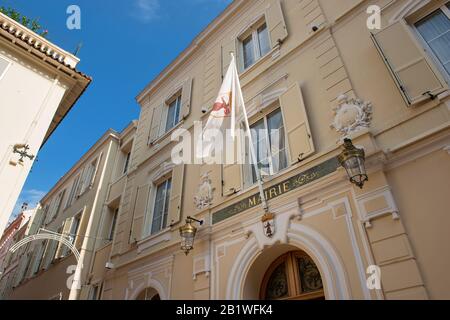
[(32, 197), (146, 10)]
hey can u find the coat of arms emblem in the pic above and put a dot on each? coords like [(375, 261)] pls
[(204, 196), (268, 222)]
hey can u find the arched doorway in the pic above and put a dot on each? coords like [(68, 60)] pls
[(148, 294), (292, 276)]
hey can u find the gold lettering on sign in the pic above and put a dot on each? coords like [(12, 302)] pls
[(252, 201)]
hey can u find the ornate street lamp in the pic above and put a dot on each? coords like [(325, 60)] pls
[(353, 160), (187, 233)]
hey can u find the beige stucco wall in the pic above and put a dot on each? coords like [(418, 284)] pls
[(396, 222), (91, 206), (344, 229), (421, 189)]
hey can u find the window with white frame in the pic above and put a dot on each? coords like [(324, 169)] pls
[(161, 206), (269, 143), (3, 66), (254, 44), (173, 112), (435, 31)]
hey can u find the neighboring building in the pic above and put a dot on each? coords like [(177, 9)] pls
[(74, 207), (8, 260), (39, 84), (296, 60)]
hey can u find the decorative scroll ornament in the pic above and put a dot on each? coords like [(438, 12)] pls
[(204, 196), (351, 115), (268, 222)]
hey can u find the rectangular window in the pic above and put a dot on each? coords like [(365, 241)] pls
[(3, 66), (270, 146), (161, 207), (263, 40), (173, 113), (113, 224), (435, 30), (248, 51), (127, 163), (255, 45)]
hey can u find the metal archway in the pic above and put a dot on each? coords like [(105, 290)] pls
[(47, 236)]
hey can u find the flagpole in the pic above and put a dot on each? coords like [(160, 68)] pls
[(252, 148)]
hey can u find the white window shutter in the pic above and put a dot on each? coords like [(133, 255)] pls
[(186, 96), (58, 203), (139, 213), (275, 23), (82, 228), (95, 171), (413, 73), (36, 221), (298, 132), (62, 248), (176, 195), (49, 253), (156, 124)]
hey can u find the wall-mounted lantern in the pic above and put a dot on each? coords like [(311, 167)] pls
[(353, 160), (187, 233)]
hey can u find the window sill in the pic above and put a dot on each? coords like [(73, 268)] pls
[(165, 135), (152, 240), (271, 53)]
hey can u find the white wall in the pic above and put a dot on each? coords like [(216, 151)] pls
[(29, 98)]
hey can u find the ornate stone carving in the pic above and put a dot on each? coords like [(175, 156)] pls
[(268, 224), (204, 196), (351, 115)]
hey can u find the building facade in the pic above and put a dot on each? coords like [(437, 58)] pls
[(39, 84), (74, 210), (8, 260), (316, 71)]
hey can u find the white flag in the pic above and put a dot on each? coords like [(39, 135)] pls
[(224, 109)]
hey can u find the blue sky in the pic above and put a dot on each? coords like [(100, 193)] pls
[(125, 44)]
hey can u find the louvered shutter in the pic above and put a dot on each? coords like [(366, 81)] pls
[(82, 229), (276, 24), (176, 195), (296, 124), (186, 97), (408, 63), (140, 210), (156, 123)]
